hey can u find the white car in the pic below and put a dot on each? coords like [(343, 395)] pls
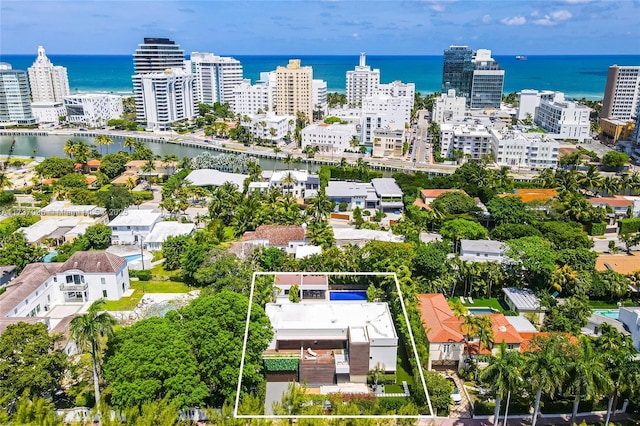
[(455, 396)]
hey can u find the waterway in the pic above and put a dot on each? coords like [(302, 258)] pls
[(52, 145)]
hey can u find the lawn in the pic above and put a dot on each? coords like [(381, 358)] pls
[(125, 303), (160, 286), (403, 370), (488, 303), (601, 304)]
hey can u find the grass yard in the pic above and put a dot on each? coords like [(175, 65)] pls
[(125, 303), (601, 304), (488, 303), (403, 370), (161, 286)]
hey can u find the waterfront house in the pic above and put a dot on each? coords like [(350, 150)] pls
[(163, 230), (132, 226)]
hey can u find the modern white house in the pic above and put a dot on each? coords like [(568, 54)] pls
[(389, 194), (334, 341), (329, 138), (163, 230), (93, 109), (354, 194), (522, 300), (303, 185), (630, 317), (132, 226)]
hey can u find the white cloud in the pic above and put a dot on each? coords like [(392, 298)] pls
[(355, 35), (535, 13), (486, 19), (576, 1), (561, 15), (516, 20), (546, 21), (438, 5)]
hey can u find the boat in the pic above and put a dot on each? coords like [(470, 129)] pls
[(521, 58)]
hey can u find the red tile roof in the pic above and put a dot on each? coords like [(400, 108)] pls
[(439, 322), (616, 201), (277, 235), (435, 193)]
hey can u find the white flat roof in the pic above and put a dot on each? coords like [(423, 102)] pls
[(44, 227), (375, 317), (212, 177), (366, 234), (136, 217), (521, 324), (63, 207), (162, 230), (387, 187)]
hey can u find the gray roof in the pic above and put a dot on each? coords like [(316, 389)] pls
[(387, 187), (341, 189), (94, 262), (482, 246), (523, 299), (521, 324), (31, 277), (212, 177)]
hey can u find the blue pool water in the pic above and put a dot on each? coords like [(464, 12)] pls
[(481, 311), (48, 257), (609, 313), (348, 295), (132, 257)]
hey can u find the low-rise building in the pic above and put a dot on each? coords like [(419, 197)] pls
[(514, 148), (427, 196), (212, 177), (313, 287), (446, 339), (360, 237), (388, 142), (329, 138), (522, 300), (252, 99), (160, 168), (612, 130), (529, 100), (448, 107), (464, 140), (132, 226), (389, 194), (299, 183), (48, 112), (270, 126), (284, 237), (163, 230), (354, 194), (567, 119), (93, 109), (619, 204), (482, 250)]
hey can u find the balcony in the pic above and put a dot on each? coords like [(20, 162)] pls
[(73, 287)]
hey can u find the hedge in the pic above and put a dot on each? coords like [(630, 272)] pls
[(629, 226), (143, 195), (596, 228), (280, 364), (143, 275)]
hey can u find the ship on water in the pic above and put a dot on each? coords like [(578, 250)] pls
[(521, 58)]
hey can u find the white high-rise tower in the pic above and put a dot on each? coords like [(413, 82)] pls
[(362, 81), (215, 77), (48, 83)]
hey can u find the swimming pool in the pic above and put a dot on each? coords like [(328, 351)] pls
[(49, 256), (348, 295), (132, 257), (609, 313), (481, 311)]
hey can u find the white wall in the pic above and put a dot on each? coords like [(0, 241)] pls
[(386, 356)]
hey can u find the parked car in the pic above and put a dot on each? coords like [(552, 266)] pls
[(455, 396)]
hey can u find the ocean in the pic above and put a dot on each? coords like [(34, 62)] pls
[(576, 76)]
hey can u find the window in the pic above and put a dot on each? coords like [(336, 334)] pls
[(446, 348), (104, 294), (103, 281)]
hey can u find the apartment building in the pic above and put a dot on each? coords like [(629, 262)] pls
[(330, 138), (294, 89), (361, 81), (567, 119)]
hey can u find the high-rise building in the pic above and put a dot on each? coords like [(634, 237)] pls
[(388, 107), (167, 97), (475, 76), (621, 93), (163, 89), (48, 83), (294, 89), (251, 99), (361, 82), (15, 105), (215, 77), (457, 70)]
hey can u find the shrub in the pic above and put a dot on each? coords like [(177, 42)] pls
[(629, 226), (144, 275), (6, 198), (142, 195), (596, 228), (343, 206)]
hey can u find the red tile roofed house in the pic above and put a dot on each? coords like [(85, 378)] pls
[(285, 237), (618, 203), (503, 332), (428, 195), (90, 166), (446, 341)]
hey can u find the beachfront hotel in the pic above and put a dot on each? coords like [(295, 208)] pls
[(621, 93), (294, 89), (48, 83), (361, 81)]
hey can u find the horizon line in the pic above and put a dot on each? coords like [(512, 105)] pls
[(328, 54)]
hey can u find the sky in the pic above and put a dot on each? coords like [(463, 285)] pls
[(315, 27)]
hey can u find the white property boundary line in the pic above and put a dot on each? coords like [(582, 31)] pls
[(413, 344)]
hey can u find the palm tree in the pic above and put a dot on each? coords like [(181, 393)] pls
[(457, 307), (104, 140), (130, 183), (87, 330), (591, 179), (309, 151), (503, 373), (170, 160), (4, 181), (288, 181), (276, 150), (610, 186), (587, 374), (130, 143), (545, 367), (272, 133), (354, 142), (68, 148), (546, 178), (147, 168), (288, 160)]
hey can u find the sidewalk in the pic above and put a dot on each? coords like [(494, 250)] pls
[(520, 420)]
